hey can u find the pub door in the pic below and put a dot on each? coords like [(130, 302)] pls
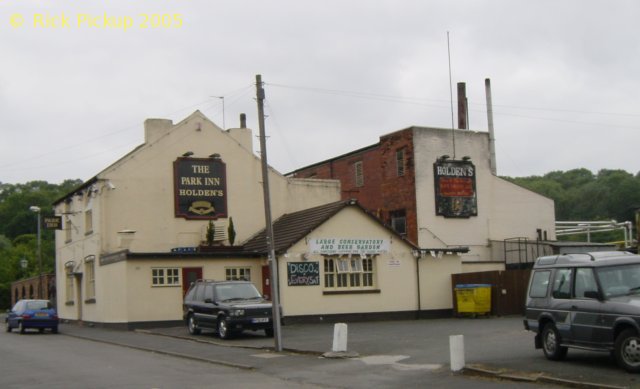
[(266, 279), (189, 276)]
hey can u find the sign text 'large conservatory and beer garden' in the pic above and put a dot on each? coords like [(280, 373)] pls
[(346, 246)]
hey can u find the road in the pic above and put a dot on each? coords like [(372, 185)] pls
[(46, 360)]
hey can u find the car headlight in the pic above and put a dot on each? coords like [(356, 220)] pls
[(236, 312)]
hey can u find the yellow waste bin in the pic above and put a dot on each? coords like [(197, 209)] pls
[(473, 298)]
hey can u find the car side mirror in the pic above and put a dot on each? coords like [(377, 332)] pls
[(593, 294), (208, 301)]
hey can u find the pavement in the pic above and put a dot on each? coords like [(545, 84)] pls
[(497, 348)]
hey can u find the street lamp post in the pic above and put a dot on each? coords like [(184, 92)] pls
[(36, 209)]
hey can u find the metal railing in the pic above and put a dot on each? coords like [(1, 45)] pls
[(566, 228)]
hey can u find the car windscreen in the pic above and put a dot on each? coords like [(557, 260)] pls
[(236, 292), (619, 280)]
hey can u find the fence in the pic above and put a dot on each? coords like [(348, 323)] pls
[(508, 289)]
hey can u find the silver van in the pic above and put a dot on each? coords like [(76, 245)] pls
[(589, 301)]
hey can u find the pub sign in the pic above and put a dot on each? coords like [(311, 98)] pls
[(52, 222), (455, 187), (200, 187)]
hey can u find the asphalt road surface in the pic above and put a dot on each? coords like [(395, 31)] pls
[(35, 360)]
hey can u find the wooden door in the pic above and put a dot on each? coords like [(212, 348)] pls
[(189, 276), (266, 282)]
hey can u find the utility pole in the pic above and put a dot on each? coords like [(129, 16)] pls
[(36, 209), (273, 264)]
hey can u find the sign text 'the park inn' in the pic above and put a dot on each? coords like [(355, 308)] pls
[(200, 187)]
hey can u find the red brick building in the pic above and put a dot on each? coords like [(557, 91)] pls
[(437, 187), (387, 188)]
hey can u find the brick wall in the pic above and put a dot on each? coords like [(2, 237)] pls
[(383, 191), (28, 288)]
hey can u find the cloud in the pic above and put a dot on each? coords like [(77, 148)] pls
[(338, 76)]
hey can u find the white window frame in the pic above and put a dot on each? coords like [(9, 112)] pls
[(237, 273), (349, 273), (165, 276), (359, 174), (90, 277), (69, 286), (399, 218), (400, 166)]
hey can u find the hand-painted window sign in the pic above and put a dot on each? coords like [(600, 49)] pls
[(346, 246), (200, 187), (455, 187), (303, 273)]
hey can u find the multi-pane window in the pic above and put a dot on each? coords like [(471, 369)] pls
[(400, 162), (353, 272), (237, 273), (88, 222), (90, 278), (329, 273), (399, 221), (367, 271), (359, 174), (67, 229), (69, 287), (88, 215), (165, 276)]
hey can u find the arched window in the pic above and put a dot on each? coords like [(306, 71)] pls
[(30, 291)]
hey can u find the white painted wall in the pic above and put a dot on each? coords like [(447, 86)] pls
[(395, 272), (505, 210), (143, 202)]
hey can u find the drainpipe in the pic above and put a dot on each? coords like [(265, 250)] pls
[(417, 256)]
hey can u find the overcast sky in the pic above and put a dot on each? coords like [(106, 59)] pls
[(339, 74)]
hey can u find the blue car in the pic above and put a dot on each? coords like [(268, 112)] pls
[(39, 314)]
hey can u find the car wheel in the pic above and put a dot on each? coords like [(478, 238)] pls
[(192, 326), (223, 329), (551, 343), (54, 330), (8, 327), (268, 332), (41, 330), (627, 350), (21, 328)]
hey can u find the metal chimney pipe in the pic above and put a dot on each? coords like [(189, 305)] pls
[(492, 138), (462, 106), (243, 120)]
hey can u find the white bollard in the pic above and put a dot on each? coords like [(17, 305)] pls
[(456, 350), (339, 338)]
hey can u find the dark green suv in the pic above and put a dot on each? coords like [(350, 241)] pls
[(228, 307), (588, 301)]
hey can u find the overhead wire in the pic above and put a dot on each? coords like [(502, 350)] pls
[(237, 95), (422, 101), (22, 164)]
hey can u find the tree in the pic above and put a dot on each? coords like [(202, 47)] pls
[(211, 233), (19, 227), (231, 232), (580, 195)]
